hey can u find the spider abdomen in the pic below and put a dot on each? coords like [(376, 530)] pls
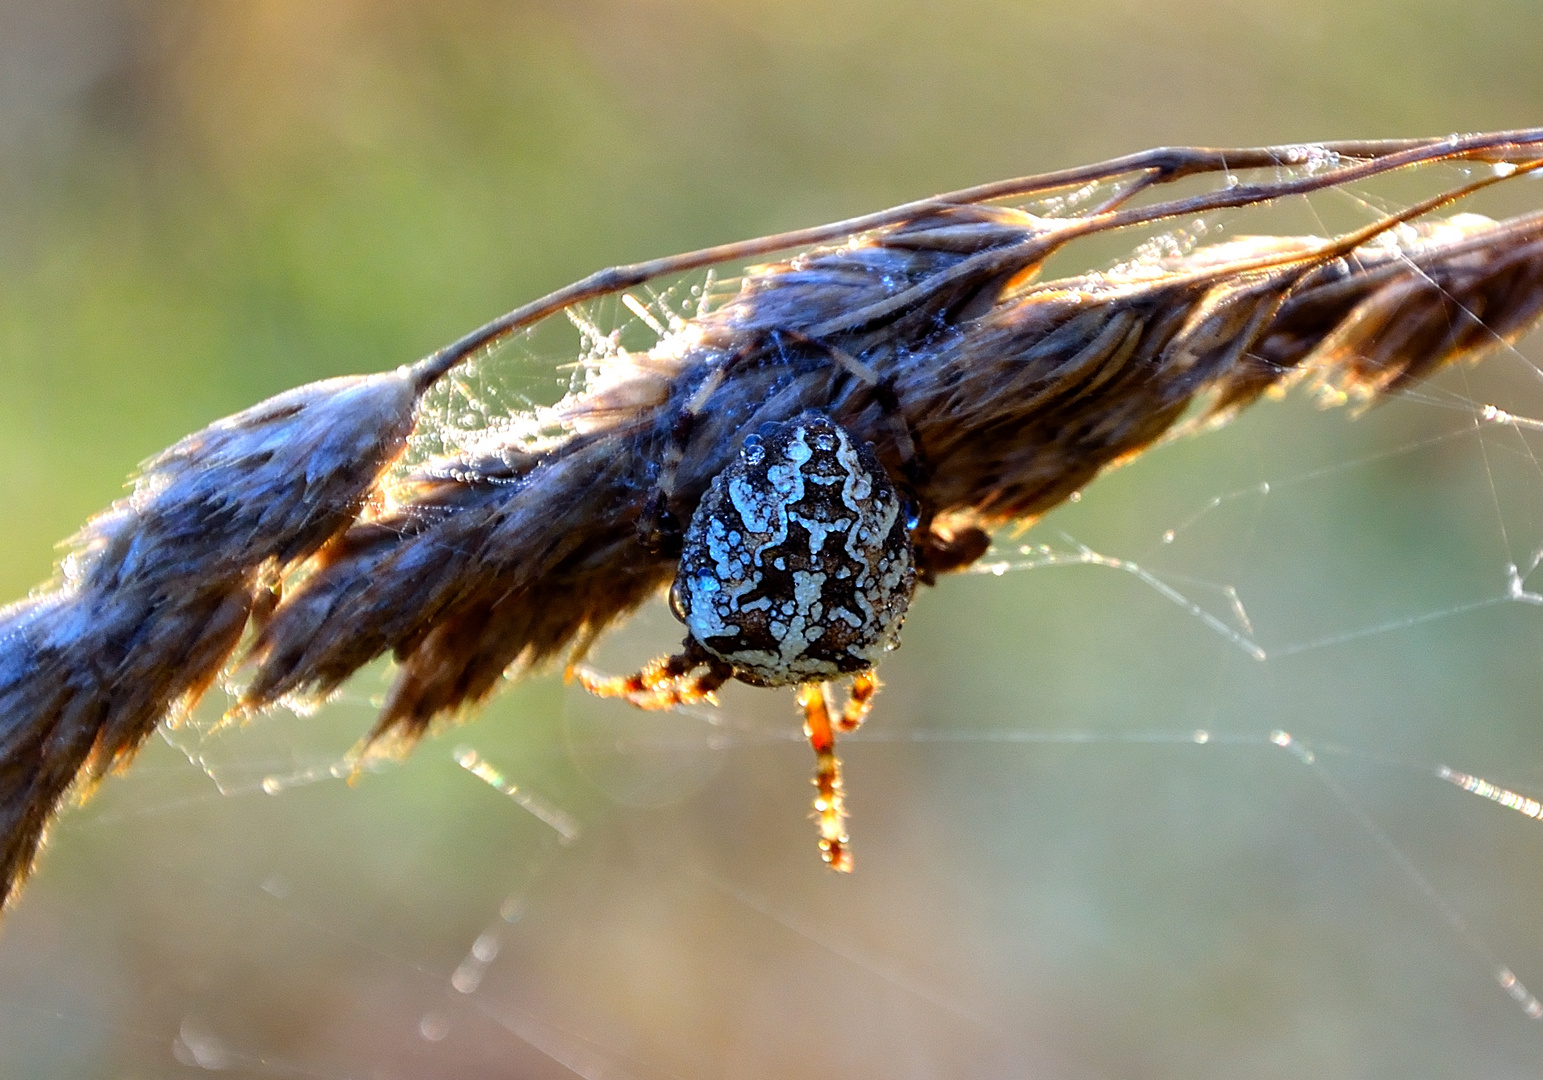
[(797, 565)]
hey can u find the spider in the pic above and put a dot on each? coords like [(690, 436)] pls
[(797, 568)]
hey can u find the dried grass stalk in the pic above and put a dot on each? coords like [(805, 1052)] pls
[(991, 396)]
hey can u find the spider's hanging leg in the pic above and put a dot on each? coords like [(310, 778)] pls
[(828, 806), (663, 684), (865, 685)]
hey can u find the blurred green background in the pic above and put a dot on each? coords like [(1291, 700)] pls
[(204, 204)]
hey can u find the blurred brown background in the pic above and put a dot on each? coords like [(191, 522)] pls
[(204, 204)]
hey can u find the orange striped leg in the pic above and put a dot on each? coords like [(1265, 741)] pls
[(663, 684), (865, 684), (827, 777)]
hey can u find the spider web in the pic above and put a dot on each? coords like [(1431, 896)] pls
[(1230, 766)]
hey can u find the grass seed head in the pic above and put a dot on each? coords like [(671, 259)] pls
[(989, 396)]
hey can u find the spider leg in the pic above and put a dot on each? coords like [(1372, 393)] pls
[(662, 684), (940, 549), (828, 805), (865, 686), (658, 528)]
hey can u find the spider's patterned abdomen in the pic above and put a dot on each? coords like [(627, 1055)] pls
[(797, 565)]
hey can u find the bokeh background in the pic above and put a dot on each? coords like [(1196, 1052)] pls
[(203, 204)]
